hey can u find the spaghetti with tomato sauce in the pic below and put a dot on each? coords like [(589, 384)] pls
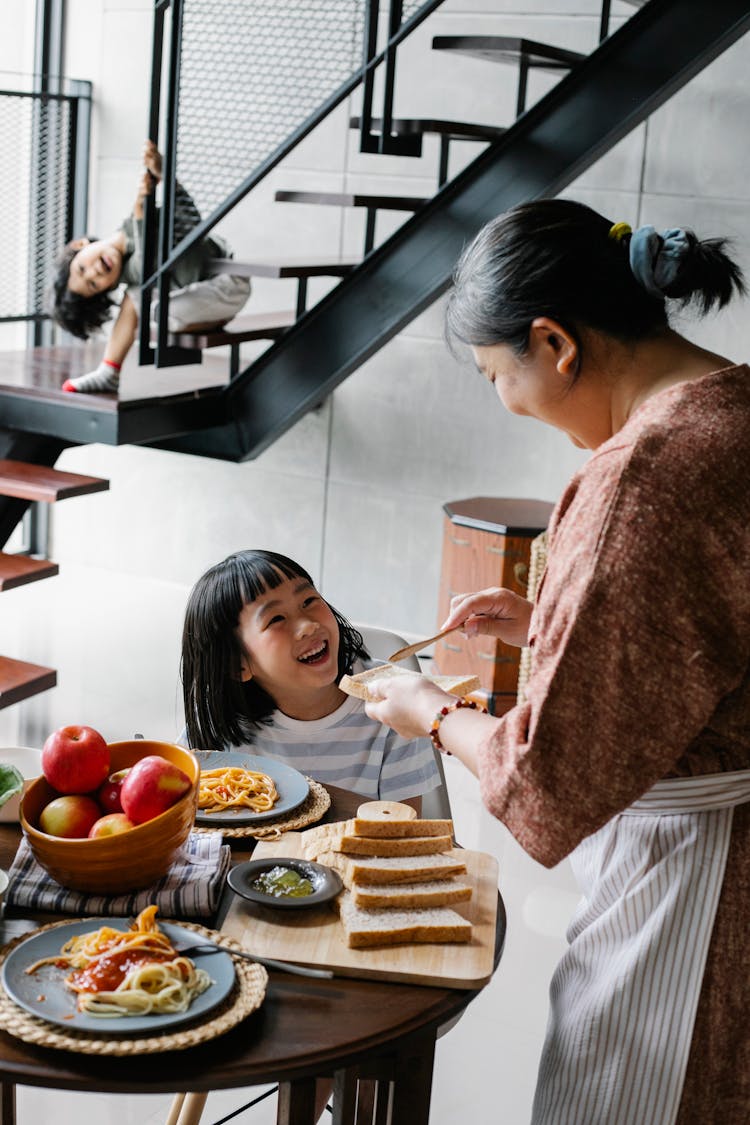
[(135, 972)]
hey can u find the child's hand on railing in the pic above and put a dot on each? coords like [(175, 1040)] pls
[(152, 160)]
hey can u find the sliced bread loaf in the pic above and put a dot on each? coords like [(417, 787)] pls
[(393, 869), (367, 928), (363, 845), (358, 684), (441, 892), (387, 829)]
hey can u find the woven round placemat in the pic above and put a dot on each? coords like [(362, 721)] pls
[(246, 996), (316, 805)]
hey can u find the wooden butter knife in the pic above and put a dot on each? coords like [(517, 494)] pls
[(411, 649)]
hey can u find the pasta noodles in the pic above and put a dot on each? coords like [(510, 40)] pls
[(135, 972), (231, 787)]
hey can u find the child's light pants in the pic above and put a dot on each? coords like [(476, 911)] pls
[(212, 301)]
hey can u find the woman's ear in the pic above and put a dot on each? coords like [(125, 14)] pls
[(558, 345), (78, 243), (246, 672)]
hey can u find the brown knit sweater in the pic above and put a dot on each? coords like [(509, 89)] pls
[(641, 670)]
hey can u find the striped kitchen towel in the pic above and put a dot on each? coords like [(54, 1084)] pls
[(190, 889)]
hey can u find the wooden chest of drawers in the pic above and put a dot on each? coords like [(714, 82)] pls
[(486, 542)]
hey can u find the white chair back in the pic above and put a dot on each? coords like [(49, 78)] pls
[(380, 643)]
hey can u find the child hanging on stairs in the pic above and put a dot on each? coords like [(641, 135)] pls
[(88, 271)]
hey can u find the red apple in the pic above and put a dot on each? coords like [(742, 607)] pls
[(110, 825), (152, 786), (71, 816), (108, 794), (75, 759)]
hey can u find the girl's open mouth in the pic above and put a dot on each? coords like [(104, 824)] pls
[(316, 656)]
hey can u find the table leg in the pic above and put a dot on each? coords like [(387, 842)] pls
[(7, 1103), (296, 1104), (412, 1084)]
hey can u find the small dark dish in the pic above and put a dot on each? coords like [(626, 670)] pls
[(326, 882)]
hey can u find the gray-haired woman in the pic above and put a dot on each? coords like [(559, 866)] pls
[(631, 752)]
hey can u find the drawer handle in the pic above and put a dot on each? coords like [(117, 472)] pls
[(452, 648), (497, 659), (461, 542)]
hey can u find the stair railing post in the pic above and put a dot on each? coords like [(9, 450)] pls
[(394, 23), (372, 10), (523, 80), (604, 21)]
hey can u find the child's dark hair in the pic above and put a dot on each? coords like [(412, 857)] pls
[(563, 260), (219, 707), (76, 314)]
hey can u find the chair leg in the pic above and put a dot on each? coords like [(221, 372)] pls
[(186, 1109)]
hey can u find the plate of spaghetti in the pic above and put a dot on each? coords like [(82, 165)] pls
[(238, 789), (105, 976)]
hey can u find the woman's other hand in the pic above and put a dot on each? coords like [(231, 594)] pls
[(407, 703), (495, 612)]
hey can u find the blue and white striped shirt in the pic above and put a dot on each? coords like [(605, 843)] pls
[(350, 750)]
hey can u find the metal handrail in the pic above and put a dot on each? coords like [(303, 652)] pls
[(199, 232)]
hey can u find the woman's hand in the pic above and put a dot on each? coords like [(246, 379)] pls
[(406, 703), (496, 612)]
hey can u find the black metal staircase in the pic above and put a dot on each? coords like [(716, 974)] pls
[(600, 99)]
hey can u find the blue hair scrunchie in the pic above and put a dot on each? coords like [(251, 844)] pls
[(656, 259)]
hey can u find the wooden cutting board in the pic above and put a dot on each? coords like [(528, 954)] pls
[(315, 936)]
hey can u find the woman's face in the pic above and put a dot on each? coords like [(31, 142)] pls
[(96, 267), (543, 383)]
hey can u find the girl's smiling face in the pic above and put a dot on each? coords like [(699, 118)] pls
[(290, 640)]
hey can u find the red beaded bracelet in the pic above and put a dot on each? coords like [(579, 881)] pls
[(435, 728)]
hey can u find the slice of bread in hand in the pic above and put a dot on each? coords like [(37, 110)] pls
[(358, 684), (441, 892), (367, 928), (394, 869)]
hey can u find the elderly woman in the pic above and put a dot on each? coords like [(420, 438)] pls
[(631, 753)]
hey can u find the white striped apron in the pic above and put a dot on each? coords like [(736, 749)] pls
[(624, 997)]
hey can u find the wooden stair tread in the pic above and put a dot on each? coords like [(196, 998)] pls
[(504, 48), (456, 130), (41, 483), (17, 570), (352, 199), (258, 326), (19, 680), (285, 267)]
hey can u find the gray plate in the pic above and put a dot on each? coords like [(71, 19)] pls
[(290, 784), (325, 880), (59, 1003)]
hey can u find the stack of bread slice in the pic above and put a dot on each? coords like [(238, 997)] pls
[(401, 875)]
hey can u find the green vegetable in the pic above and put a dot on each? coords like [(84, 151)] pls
[(283, 882), (11, 782)]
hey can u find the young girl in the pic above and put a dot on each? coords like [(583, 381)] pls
[(262, 655)]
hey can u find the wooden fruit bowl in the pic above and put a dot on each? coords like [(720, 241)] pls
[(126, 862)]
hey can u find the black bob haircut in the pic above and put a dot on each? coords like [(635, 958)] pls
[(76, 314), (219, 707)]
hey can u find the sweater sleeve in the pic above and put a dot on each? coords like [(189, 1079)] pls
[(638, 633)]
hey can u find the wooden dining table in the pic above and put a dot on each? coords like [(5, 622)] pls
[(374, 1039)]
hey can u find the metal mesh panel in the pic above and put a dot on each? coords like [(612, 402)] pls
[(35, 136), (251, 72)]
